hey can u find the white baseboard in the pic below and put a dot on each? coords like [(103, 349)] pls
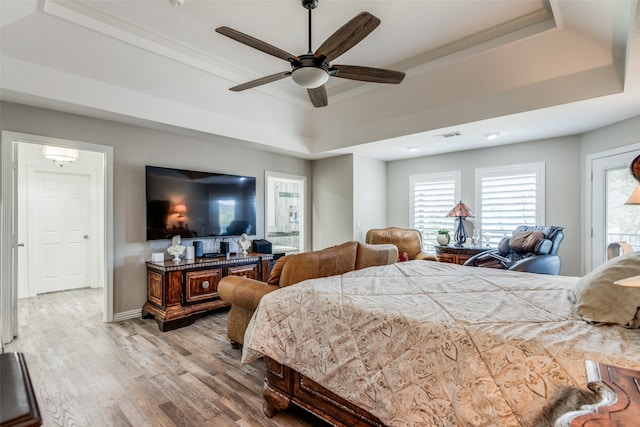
[(126, 315)]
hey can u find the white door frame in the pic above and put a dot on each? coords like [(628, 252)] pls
[(589, 226), (8, 226)]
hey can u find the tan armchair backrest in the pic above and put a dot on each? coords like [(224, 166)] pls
[(406, 239)]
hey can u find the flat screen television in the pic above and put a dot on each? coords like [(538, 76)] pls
[(198, 204)]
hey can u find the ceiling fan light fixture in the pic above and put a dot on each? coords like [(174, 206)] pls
[(310, 77)]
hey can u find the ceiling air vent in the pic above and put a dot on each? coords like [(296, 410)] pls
[(448, 135)]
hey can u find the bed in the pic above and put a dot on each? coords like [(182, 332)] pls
[(436, 344)]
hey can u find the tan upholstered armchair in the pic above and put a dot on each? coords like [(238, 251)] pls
[(244, 294), (407, 240)]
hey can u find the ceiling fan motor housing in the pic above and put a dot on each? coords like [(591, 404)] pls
[(309, 4)]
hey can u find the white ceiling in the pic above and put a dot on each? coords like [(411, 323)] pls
[(528, 69)]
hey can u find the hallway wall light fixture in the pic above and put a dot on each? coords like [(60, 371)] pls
[(59, 155)]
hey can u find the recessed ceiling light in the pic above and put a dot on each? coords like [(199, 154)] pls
[(412, 149), (492, 135)]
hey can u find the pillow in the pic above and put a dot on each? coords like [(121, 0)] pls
[(525, 241), (276, 270), (599, 300)]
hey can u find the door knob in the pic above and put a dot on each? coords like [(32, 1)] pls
[(21, 245), (86, 236)]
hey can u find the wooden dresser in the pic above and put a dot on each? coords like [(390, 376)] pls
[(619, 393), (178, 292)]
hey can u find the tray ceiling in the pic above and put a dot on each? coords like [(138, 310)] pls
[(472, 67)]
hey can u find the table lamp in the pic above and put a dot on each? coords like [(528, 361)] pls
[(634, 199), (460, 211), (634, 169)]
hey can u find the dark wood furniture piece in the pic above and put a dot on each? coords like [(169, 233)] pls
[(178, 292), (619, 393), (456, 255), (18, 404), (284, 386)]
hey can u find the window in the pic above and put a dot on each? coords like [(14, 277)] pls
[(509, 197), (432, 197)]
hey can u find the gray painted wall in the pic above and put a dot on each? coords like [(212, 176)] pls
[(333, 197), (135, 147), (349, 198), (617, 135), (369, 195)]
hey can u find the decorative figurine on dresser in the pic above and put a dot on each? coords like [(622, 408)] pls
[(244, 244), (175, 249)]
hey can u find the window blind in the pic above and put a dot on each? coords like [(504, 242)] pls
[(508, 199), (433, 197)]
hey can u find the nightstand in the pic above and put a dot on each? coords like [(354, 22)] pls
[(456, 254)]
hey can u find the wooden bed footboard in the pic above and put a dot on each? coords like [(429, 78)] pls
[(283, 386)]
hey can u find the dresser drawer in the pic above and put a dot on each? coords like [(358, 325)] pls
[(202, 284), (251, 271), (448, 258)]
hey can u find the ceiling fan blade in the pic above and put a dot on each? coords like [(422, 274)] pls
[(368, 74), (261, 81), (318, 96), (255, 43), (347, 36)]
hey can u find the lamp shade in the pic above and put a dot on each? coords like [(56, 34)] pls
[(180, 210), (309, 77), (461, 211), (631, 282), (634, 199)]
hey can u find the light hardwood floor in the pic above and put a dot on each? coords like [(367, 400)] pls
[(89, 373)]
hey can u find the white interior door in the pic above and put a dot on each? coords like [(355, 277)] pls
[(612, 220), (59, 217)]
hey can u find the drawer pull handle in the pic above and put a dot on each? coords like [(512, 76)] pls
[(205, 284)]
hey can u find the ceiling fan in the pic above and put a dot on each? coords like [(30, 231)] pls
[(312, 70)]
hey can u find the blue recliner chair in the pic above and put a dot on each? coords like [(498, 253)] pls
[(531, 248)]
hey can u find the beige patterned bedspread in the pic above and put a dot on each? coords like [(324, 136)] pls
[(423, 343)]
